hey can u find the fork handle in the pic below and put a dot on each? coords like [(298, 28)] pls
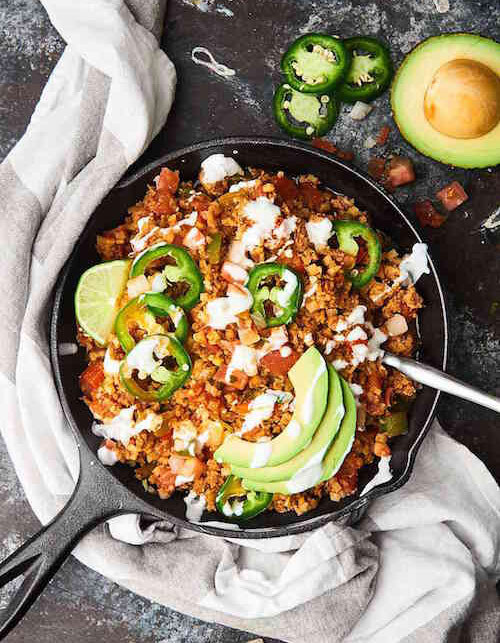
[(434, 378)]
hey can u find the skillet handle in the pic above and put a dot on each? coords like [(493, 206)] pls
[(96, 498)]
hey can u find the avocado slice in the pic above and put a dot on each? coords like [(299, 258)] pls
[(446, 99), (318, 446), (317, 471), (309, 377)]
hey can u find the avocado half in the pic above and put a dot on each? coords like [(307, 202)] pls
[(445, 99)]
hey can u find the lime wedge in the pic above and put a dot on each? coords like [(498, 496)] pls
[(97, 296)]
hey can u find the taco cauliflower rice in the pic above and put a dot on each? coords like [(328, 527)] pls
[(242, 363)]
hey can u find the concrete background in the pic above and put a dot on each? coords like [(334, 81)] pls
[(250, 37)]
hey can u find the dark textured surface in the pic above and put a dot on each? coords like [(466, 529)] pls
[(250, 37)]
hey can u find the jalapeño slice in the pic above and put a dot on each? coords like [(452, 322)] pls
[(183, 269), (304, 115), (315, 63), (370, 73)]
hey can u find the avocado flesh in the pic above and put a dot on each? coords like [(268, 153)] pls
[(408, 92), (342, 444), (322, 439), (309, 377), (332, 461)]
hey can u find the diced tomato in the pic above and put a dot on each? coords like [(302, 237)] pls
[(376, 168), (238, 379), (399, 171), (321, 144), (233, 273), (312, 197), (428, 215), (383, 135), (276, 364), (167, 181), (286, 188), (294, 262), (194, 239), (165, 478), (164, 204), (200, 203), (452, 196), (92, 377)]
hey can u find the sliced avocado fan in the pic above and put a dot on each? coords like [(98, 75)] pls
[(317, 471), (315, 451), (309, 377)]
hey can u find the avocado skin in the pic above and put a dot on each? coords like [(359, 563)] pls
[(437, 154)]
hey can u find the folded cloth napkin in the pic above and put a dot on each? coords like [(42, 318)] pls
[(423, 559)]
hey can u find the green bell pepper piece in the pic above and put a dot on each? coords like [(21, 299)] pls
[(370, 73), (251, 503), (286, 299), (304, 115), (315, 63), (346, 232), (395, 423), (214, 248), (169, 380), (184, 269), (149, 304)]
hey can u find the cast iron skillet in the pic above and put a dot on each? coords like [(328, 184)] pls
[(102, 492)]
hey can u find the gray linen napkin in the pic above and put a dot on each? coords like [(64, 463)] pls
[(108, 96)]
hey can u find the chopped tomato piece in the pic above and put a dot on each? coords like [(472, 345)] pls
[(164, 204), (200, 203), (376, 168), (321, 144), (313, 198), (276, 364), (383, 135), (92, 377), (400, 171), (428, 215), (167, 181), (238, 379), (233, 273), (452, 196), (286, 188), (294, 262)]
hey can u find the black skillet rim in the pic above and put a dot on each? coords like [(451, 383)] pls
[(358, 504)]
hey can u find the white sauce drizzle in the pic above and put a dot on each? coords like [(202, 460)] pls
[(309, 475), (111, 366), (244, 358), (261, 454), (142, 358), (223, 310), (308, 405), (217, 167), (319, 231), (243, 185), (260, 408)]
